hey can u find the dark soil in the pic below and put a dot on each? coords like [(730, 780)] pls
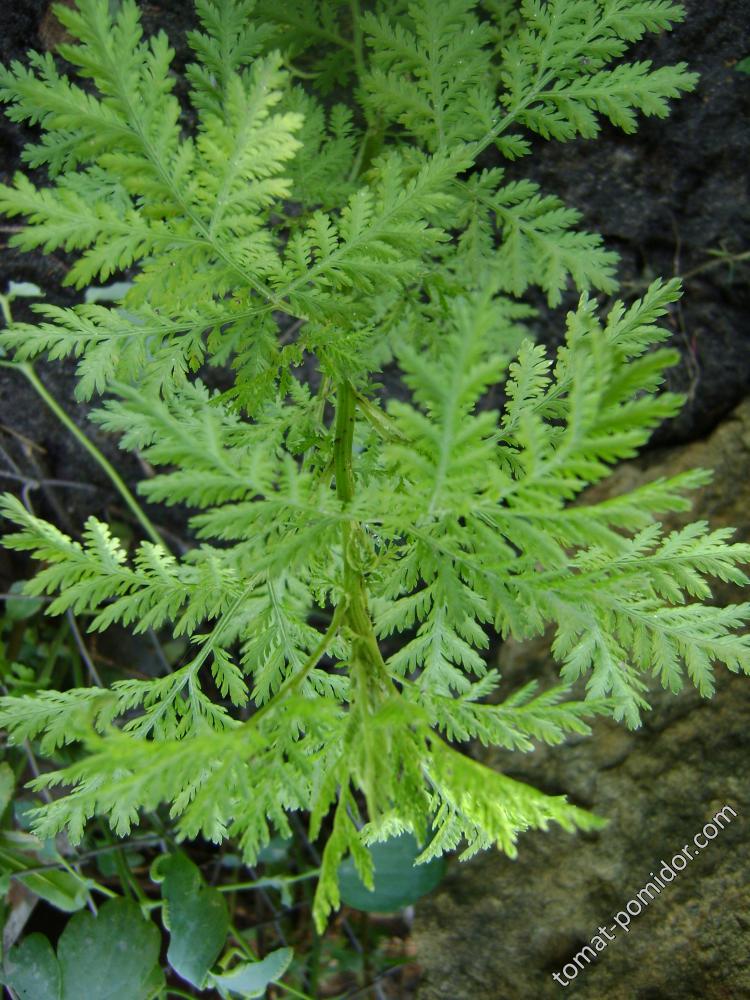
[(665, 198), (672, 193)]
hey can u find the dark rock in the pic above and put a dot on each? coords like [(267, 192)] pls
[(668, 196)]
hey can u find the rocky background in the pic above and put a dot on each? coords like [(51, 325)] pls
[(670, 196), (498, 929), (667, 198)]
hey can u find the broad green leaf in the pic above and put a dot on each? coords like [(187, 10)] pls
[(107, 293), (24, 290), (195, 915), (32, 970), (743, 66), (19, 605), (251, 979), (63, 890), (398, 882), (7, 784), (113, 956)]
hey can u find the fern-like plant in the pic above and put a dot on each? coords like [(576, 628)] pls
[(324, 208)]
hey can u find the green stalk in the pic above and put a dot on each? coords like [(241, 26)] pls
[(353, 540), (250, 954), (358, 44), (369, 673), (106, 466), (292, 683), (269, 883)]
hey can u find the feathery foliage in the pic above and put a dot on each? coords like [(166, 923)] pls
[(275, 226)]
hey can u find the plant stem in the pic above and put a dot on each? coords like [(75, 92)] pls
[(358, 47), (270, 882), (292, 991), (370, 679), (357, 616), (343, 443), (250, 954), (353, 539), (292, 683), (115, 478), (104, 464)]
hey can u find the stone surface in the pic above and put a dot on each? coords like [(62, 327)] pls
[(499, 929)]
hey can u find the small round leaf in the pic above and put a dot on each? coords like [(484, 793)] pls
[(195, 915), (398, 882), (32, 971), (113, 956)]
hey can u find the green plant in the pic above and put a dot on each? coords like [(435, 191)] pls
[(291, 234)]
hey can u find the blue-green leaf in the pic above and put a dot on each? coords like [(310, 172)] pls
[(7, 784), (195, 915), (19, 605), (65, 891), (24, 290), (251, 979), (113, 956), (20, 851), (107, 293), (398, 882), (32, 970)]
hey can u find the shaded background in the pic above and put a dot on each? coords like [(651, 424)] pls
[(664, 198)]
